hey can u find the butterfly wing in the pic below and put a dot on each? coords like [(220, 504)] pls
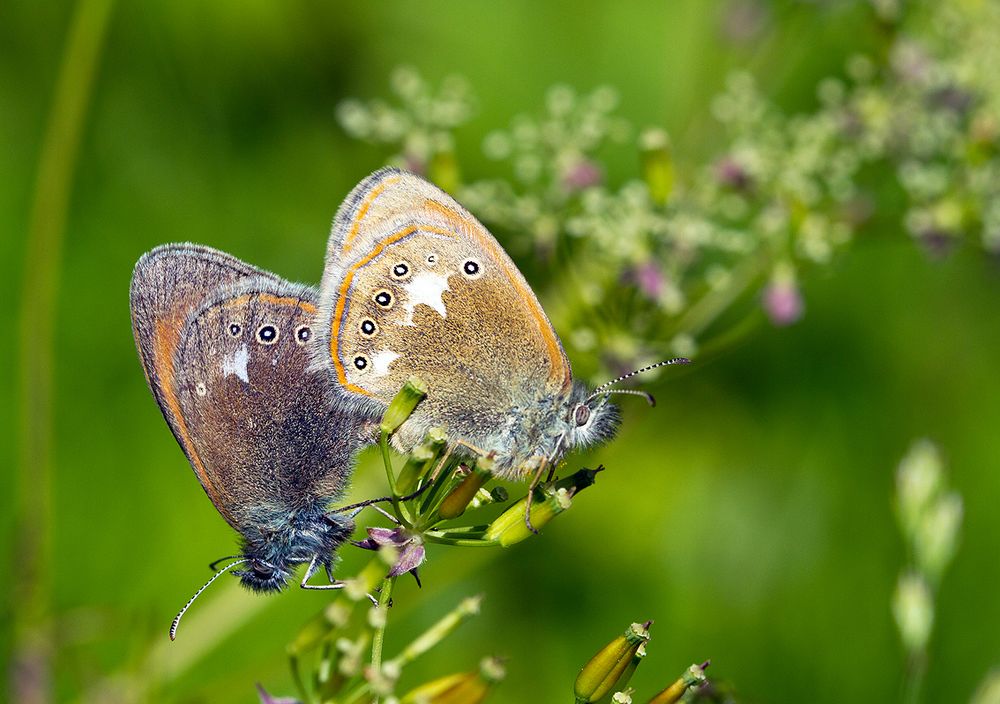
[(168, 284), (415, 285), (175, 290), (263, 426)]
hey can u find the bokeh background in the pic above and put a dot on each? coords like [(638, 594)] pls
[(749, 514)]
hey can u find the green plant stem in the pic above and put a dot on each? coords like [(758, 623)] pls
[(913, 681), (391, 477), (710, 306), (439, 631), (300, 685), (378, 636), (447, 539), (31, 679)]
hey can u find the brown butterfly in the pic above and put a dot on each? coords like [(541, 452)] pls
[(224, 348), (415, 285)]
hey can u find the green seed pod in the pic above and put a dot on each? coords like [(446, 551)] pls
[(421, 460), (602, 673), (657, 165), (461, 688), (455, 503), (510, 528), (412, 393), (693, 676)]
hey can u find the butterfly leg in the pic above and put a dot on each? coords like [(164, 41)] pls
[(311, 570), (451, 448)]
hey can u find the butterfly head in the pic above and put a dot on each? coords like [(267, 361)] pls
[(272, 554), (588, 420)]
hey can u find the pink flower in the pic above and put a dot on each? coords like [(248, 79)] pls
[(782, 302), (732, 174), (582, 175), (410, 550), (649, 279)]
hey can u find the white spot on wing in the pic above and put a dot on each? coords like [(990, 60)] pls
[(381, 361), (425, 288), (237, 364)]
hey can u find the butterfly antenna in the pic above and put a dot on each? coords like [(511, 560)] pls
[(177, 619), (212, 565), (636, 372), (631, 392)]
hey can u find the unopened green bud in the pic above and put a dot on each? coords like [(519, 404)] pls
[(657, 164), (412, 393), (421, 460), (937, 536), (510, 526), (988, 691), (334, 616), (919, 480), (620, 686), (601, 675), (692, 677), (913, 609), (455, 503), (461, 688)]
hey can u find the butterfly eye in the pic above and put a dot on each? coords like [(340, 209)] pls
[(581, 415), (267, 334), (262, 569), (235, 329), (401, 271), (368, 327), (303, 334), (472, 269), (361, 362), (383, 298)]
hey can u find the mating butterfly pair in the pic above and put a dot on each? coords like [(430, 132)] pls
[(271, 387)]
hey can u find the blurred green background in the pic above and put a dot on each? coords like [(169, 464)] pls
[(749, 514)]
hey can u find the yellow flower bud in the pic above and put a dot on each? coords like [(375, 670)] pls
[(694, 675), (461, 688), (602, 673)]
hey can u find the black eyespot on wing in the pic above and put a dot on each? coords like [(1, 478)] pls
[(360, 362), (383, 298), (267, 334), (472, 269), (432, 258), (303, 334), (235, 329), (400, 271), (368, 327)]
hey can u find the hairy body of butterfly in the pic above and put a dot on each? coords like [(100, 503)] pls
[(415, 285), (224, 348)]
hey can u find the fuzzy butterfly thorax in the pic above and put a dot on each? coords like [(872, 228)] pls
[(414, 285)]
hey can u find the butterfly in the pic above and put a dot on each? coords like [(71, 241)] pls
[(413, 284), (224, 347)]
